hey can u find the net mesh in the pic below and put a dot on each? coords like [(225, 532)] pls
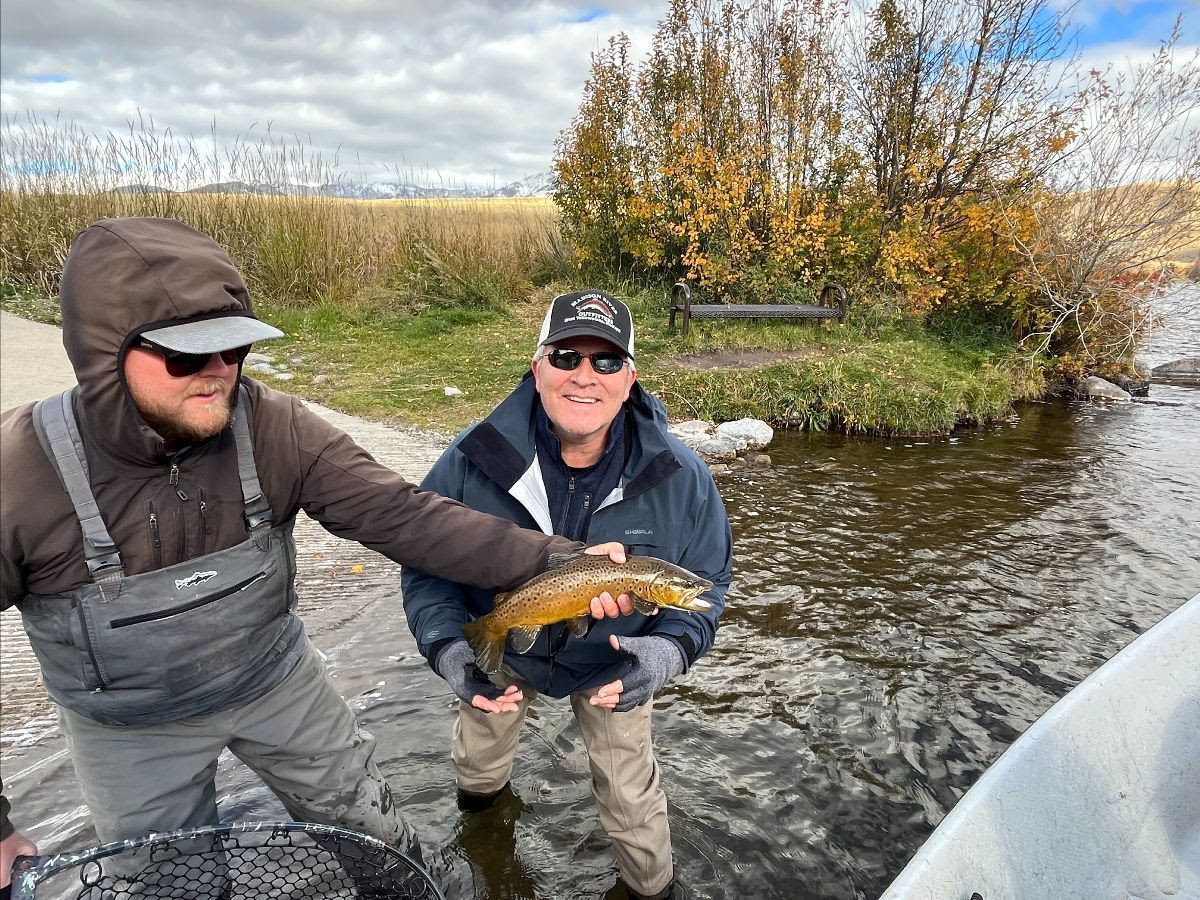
[(230, 862)]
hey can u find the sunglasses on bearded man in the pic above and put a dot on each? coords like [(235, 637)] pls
[(181, 365), (603, 363)]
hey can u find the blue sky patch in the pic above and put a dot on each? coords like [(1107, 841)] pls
[(588, 14), (1147, 21), (49, 78)]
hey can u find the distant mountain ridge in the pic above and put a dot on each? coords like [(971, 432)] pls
[(540, 184)]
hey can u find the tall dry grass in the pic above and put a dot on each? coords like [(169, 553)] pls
[(295, 246)]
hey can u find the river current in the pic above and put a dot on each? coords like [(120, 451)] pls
[(902, 610)]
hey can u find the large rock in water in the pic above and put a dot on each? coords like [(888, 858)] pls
[(755, 433), (720, 446), (1136, 384), (1099, 389), (691, 427), (715, 449), (1181, 371)]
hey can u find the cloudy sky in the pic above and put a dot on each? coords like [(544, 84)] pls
[(461, 92)]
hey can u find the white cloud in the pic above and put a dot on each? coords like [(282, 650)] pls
[(469, 92), (473, 92)]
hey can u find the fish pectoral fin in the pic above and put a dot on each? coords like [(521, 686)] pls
[(523, 636), (642, 605), (580, 624), (558, 560)]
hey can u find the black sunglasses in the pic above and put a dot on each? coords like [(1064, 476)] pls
[(180, 365), (603, 363)]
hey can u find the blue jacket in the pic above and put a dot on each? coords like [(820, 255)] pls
[(666, 505)]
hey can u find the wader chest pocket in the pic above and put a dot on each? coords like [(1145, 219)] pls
[(186, 607)]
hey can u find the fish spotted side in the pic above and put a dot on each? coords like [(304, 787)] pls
[(564, 592)]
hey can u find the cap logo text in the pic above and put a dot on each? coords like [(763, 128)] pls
[(594, 308)]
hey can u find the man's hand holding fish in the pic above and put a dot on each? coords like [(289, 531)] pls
[(457, 663)]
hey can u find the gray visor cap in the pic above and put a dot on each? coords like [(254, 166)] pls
[(213, 335)]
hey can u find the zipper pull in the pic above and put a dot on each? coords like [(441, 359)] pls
[(587, 502), (571, 485), (179, 492), (204, 514), (154, 531)]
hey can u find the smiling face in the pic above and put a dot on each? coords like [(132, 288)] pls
[(580, 403), (182, 410)]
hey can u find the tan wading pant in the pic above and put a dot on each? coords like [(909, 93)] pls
[(625, 782), (301, 738)]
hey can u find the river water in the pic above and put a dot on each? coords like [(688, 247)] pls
[(902, 611)]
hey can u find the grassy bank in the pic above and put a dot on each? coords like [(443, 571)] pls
[(865, 376), (386, 304)]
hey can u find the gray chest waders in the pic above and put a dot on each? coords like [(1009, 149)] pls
[(210, 633)]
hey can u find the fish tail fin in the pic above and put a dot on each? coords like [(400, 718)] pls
[(487, 644)]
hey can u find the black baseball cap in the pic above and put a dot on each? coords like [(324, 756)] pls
[(590, 313)]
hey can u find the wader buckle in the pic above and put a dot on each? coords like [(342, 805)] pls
[(100, 564), (257, 520)]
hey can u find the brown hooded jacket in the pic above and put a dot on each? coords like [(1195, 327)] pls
[(125, 276)]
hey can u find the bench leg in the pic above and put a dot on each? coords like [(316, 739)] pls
[(686, 319)]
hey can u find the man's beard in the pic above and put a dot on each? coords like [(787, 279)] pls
[(201, 426)]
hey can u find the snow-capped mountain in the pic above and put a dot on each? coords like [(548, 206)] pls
[(537, 185), (540, 184)]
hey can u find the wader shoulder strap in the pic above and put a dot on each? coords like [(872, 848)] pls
[(258, 510), (56, 427)]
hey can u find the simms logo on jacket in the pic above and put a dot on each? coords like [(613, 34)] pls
[(193, 580), (647, 531)]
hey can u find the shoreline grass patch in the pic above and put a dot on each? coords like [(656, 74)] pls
[(899, 381)]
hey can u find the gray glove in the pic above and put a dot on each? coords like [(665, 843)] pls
[(457, 666), (653, 661)]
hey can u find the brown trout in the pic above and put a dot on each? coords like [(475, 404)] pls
[(564, 592)]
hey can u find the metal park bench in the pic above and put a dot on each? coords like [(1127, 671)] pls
[(681, 302)]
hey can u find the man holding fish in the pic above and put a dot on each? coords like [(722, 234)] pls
[(580, 450)]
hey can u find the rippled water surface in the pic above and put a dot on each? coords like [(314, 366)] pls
[(902, 611)]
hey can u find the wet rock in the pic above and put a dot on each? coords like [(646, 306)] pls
[(691, 439), (716, 449), (691, 426), (1135, 385), (753, 433), (726, 443), (1099, 389), (719, 469), (760, 460), (1181, 371)]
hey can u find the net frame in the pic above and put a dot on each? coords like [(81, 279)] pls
[(369, 868)]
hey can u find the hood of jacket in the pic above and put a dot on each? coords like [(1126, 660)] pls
[(125, 276)]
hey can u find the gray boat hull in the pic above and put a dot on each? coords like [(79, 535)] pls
[(1099, 798)]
